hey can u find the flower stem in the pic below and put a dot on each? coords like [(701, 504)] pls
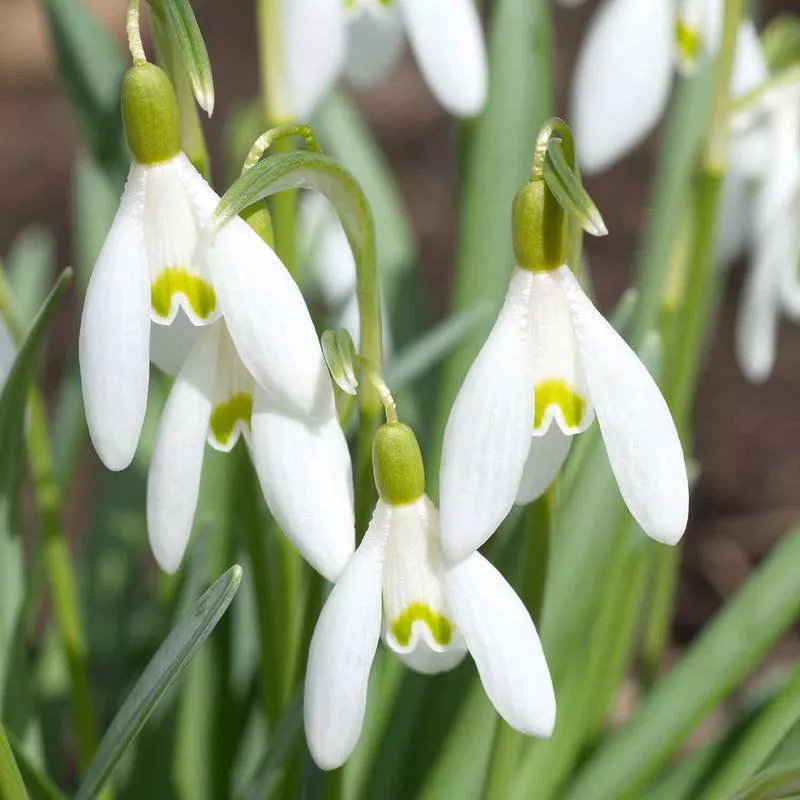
[(134, 34), (539, 520), (12, 787), (61, 577)]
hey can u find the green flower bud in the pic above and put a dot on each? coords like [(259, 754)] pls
[(539, 226), (257, 216), (150, 114), (397, 464)]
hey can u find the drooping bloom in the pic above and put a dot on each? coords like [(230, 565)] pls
[(364, 40), (551, 363), (397, 587), (772, 226), (626, 66)]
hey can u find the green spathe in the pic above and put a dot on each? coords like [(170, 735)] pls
[(539, 227), (397, 464), (150, 114)]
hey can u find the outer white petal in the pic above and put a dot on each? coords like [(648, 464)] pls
[(170, 345), (268, 320), (305, 474), (375, 41), (115, 333), (734, 217), (487, 437), (639, 434), (503, 641), (622, 79), (447, 40), (546, 457), (314, 49), (174, 479), (749, 66), (757, 322), (342, 650)]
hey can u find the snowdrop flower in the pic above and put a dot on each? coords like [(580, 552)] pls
[(772, 286), (396, 587), (303, 466), (364, 39), (625, 70), (549, 365)]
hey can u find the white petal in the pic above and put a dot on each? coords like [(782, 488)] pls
[(734, 217), (545, 459), (757, 322), (170, 345), (342, 650), (749, 66), (305, 474), (314, 48), (639, 434), (375, 41), (447, 40), (622, 79), (268, 320), (560, 392), (487, 437), (503, 641), (115, 333), (418, 621), (173, 483)]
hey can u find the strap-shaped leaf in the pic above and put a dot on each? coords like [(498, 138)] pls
[(565, 184), (340, 356), (161, 673), (182, 27), (772, 784)]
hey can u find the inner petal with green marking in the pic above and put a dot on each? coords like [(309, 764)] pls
[(689, 41), (440, 627), (178, 285), (229, 419), (557, 392)]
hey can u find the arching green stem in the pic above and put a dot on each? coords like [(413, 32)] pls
[(134, 34), (273, 135)]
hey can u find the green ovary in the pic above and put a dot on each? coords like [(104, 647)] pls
[(440, 627), (556, 392), (237, 408), (689, 41), (177, 280)]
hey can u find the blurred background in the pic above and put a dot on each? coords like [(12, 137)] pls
[(748, 437)]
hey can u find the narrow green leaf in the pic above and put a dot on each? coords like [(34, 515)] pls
[(722, 655), (183, 29), (496, 165), (267, 774), (31, 264), (39, 786), (772, 784), (12, 787), (758, 742), (91, 66), (340, 356), (567, 188), (164, 669), (430, 348)]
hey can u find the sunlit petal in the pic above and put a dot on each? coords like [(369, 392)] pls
[(545, 459), (503, 641), (487, 437), (375, 42), (342, 650)]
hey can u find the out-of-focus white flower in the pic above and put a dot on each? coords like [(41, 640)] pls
[(550, 363), (625, 70), (397, 587), (364, 39), (8, 352), (771, 222), (332, 267)]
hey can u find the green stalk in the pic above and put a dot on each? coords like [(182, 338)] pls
[(61, 576), (12, 787), (684, 361), (540, 518)]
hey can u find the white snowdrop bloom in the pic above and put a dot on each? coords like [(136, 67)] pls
[(626, 66), (364, 40), (396, 587), (551, 363), (772, 223), (303, 466)]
